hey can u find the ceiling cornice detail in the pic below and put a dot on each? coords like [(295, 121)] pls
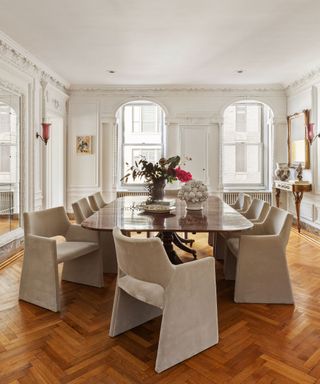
[(305, 81), (96, 89), (15, 55)]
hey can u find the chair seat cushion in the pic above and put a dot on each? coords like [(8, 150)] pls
[(233, 245), (69, 250), (150, 293)]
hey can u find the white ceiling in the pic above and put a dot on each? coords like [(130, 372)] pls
[(169, 41)]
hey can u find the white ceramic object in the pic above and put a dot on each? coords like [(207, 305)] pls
[(194, 206), (282, 172)]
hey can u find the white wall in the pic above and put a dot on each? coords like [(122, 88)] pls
[(39, 90), (305, 96), (193, 121)]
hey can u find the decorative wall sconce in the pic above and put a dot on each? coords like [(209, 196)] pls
[(45, 132), (310, 133)]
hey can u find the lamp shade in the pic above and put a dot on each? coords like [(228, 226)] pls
[(310, 132), (45, 131)]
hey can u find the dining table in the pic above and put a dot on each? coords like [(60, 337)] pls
[(129, 215)]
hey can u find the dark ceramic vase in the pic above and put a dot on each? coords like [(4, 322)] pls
[(156, 189)]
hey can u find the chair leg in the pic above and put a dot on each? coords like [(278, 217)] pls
[(108, 252), (39, 283), (266, 281), (182, 337), (220, 247), (230, 266), (86, 270), (128, 312)]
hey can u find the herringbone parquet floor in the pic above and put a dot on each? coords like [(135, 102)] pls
[(258, 343)]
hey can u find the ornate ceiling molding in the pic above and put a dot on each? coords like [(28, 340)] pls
[(97, 89), (10, 53), (307, 80)]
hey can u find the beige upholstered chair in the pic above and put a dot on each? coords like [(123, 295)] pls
[(148, 285), (257, 211), (241, 205), (96, 201), (257, 261), (82, 210), (51, 239), (243, 202)]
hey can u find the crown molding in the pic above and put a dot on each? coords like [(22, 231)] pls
[(14, 54), (303, 82), (105, 89)]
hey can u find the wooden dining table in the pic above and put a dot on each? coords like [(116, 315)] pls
[(127, 214)]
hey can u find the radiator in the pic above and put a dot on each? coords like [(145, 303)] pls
[(231, 197), (131, 193), (228, 197), (6, 202)]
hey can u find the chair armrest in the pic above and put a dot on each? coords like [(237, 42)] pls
[(39, 246), (259, 245), (256, 230), (77, 233), (188, 277)]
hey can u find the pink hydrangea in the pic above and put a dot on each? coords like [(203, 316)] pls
[(182, 175)]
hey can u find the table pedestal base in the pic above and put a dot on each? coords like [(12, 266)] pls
[(167, 239), (170, 238)]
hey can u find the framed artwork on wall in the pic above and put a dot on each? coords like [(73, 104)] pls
[(84, 145)]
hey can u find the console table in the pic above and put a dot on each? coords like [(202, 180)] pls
[(297, 188)]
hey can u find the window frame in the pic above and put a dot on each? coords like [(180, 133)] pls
[(122, 144), (264, 149)]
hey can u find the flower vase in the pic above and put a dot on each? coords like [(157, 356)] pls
[(156, 189), (197, 206)]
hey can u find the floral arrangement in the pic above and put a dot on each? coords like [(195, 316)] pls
[(164, 169), (193, 191)]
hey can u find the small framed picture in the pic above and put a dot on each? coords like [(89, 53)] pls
[(84, 145)]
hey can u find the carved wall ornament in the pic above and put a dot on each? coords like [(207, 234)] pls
[(23, 63)]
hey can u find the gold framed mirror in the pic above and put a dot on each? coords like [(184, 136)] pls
[(298, 144)]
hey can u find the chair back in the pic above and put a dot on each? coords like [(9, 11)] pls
[(257, 210), (143, 259), (47, 223), (245, 201), (99, 200), (93, 203), (278, 222), (82, 210)]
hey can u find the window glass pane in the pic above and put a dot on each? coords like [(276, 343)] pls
[(128, 119), (9, 164), (241, 118), (241, 157), (151, 134), (4, 158), (242, 149), (142, 127), (229, 163), (149, 119)]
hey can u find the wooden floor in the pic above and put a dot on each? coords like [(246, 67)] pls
[(7, 224), (258, 343)]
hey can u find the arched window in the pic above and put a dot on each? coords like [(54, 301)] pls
[(9, 164), (141, 134), (246, 145)]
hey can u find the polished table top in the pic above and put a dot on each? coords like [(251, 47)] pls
[(122, 212)]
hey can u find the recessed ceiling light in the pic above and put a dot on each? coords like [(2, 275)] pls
[(111, 71), (240, 71)]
